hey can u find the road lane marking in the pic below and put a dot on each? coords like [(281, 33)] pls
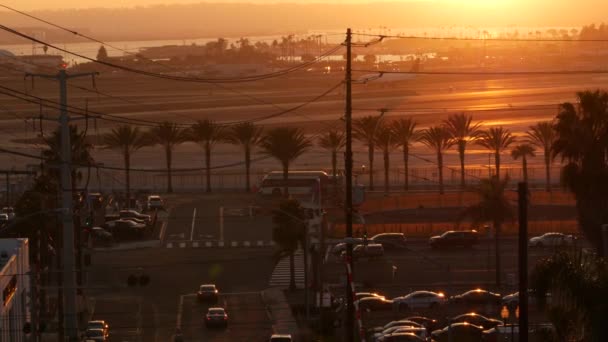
[(193, 220)]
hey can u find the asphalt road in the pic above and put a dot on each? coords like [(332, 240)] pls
[(150, 312), (217, 218)]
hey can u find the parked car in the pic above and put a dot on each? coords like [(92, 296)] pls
[(477, 297), (477, 319), (10, 212), (125, 228), (390, 240), (402, 337), (419, 299), (552, 240), (503, 333), (280, 338), (360, 295), (341, 247), (453, 238), (392, 324), (512, 300), (216, 317), (420, 332), (207, 292), (97, 335), (375, 304), (369, 251), (101, 236), (377, 335), (461, 332), (429, 323), (154, 202), (134, 214), (98, 324)]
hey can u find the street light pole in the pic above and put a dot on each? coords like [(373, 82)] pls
[(348, 168)]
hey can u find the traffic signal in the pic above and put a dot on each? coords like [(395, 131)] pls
[(27, 328), (88, 222), (141, 280)]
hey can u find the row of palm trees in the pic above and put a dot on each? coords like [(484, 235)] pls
[(287, 144), (457, 130)]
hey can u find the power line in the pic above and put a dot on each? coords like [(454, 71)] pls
[(527, 73), (468, 110), (253, 78), (384, 36)]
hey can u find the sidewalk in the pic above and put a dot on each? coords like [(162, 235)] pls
[(279, 312)]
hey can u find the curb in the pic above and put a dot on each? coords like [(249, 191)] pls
[(218, 244)]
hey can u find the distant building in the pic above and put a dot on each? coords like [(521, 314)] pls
[(31, 63), (15, 286)]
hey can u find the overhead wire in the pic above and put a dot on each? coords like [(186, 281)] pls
[(473, 73), (413, 37)]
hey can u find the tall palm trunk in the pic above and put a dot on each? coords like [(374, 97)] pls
[(548, 170), (128, 175), (440, 167), (169, 177), (461, 148), (497, 163), (285, 179), (334, 163), (370, 151), (406, 155), (292, 272), (524, 166), (497, 228), (386, 166), (247, 168), (208, 166)]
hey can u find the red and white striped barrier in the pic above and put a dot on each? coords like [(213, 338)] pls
[(349, 274)]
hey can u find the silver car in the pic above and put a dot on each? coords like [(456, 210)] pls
[(552, 240)]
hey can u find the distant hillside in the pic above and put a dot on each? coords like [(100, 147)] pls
[(213, 20)]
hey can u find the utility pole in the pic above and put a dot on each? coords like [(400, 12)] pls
[(69, 264), (522, 189), (348, 206)]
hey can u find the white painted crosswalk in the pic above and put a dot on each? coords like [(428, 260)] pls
[(280, 275)]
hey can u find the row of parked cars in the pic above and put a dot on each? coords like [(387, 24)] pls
[(375, 246), (431, 300)]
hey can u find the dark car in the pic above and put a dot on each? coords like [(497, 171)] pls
[(360, 295), (390, 240), (124, 228), (461, 332), (341, 247), (402, 337), (477, 297), (134, 214), (477, 319), (375, 304), (454, 238), (101, 237), (207, 293), (216, 317), (429, 323), (369, 251)]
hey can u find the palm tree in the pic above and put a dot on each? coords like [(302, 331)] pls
[(543, 136), (386, 142), (493, 206), (461, 130), (578, 283), (364, 130), (438, 139), (405, 133), (523, 151), (126, 139), (248, 136), (207, 133), (80, 153), (582, 132), (289, 232), (496, 139), (285, 144), (168, 135), (333, 141)]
